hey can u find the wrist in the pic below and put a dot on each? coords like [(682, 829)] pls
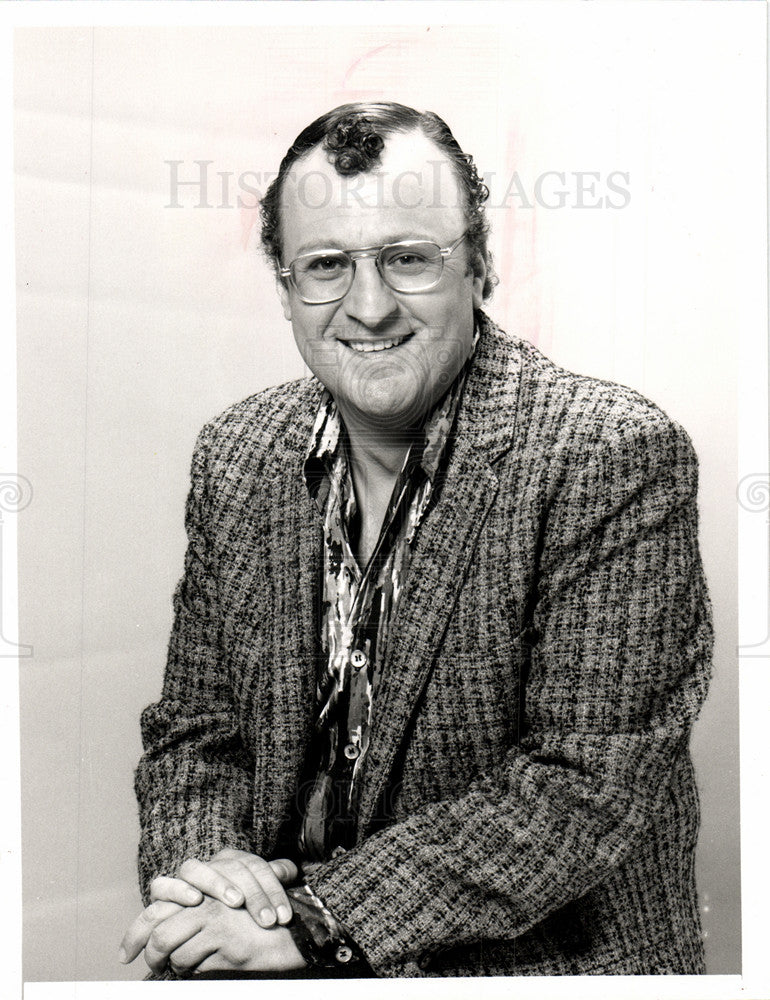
[(317, 934), (293, 954), (283, 956)]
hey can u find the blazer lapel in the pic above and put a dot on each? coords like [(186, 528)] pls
[(285, 701), (444, 547), (443, 550)]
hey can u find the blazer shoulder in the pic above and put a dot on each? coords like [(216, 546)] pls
[(266, 429), (579, 414)]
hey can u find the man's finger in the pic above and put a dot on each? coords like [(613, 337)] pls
[(176, 890), (275, 899), (190, 954), (170, 934), (211, 882), (260, 882), (139, 932), (285, 869), (258, 902)]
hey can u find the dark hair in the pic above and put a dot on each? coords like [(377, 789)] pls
[(352, 136)]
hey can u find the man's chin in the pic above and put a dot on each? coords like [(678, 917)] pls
[(383, 413)]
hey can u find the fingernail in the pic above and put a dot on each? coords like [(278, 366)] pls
[(284, 913), (233, 897), (266, 916), (122, 956), (191, 896)]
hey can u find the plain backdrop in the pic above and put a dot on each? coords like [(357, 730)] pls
[(138, 321)]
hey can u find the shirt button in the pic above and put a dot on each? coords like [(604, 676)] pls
[(338, 851), (344, 953), (358, 658), (351, 751)]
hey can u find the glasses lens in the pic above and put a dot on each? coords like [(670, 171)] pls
[(322, 277), (410, 267)]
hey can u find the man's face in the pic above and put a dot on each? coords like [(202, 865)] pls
[(412, 195)]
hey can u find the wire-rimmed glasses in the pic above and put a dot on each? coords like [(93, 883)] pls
[(408, 266)]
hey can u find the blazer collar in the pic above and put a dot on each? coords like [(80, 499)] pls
[(485, 419)]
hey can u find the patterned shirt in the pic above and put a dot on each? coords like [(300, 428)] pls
[(359, 604)]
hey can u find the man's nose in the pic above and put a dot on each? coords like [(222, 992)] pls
[(369, 300)]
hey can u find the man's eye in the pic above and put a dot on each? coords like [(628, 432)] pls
[(407, 260), (326, 266)]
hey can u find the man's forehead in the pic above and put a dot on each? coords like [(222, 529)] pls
[(413, 172)]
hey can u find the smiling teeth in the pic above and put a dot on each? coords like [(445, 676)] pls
[(366, 346)]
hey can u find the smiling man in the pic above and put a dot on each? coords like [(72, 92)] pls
[(442, 632)]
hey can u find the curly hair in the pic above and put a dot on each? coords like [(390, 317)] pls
[(353, 136)]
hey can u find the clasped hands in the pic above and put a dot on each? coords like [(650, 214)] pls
[(226, 915)]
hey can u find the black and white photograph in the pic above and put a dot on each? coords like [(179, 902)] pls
[(378, 498)]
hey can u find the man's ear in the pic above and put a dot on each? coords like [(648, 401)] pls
[(283, 295), (479, 277)]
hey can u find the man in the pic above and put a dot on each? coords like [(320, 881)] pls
[(443, 629)]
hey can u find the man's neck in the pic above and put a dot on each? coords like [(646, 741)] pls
[(376, 458), (377, 451)]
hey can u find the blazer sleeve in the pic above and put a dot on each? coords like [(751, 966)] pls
[(619, 668), (194, 781)]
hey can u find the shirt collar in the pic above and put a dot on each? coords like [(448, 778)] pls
[(328, 435)]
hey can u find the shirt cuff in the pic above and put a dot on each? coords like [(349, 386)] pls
[(319, 937)]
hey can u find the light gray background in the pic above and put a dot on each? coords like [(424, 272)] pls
[(137, 322)]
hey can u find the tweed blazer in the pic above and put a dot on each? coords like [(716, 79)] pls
[(528, 805)]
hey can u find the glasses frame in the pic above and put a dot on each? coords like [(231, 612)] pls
[(377, 252)]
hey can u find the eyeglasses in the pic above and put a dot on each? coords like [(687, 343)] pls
[(327, 275)]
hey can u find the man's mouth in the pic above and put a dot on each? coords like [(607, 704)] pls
[(367, 346)]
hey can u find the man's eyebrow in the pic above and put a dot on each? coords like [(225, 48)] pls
[(311, 247), (410, 236)]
